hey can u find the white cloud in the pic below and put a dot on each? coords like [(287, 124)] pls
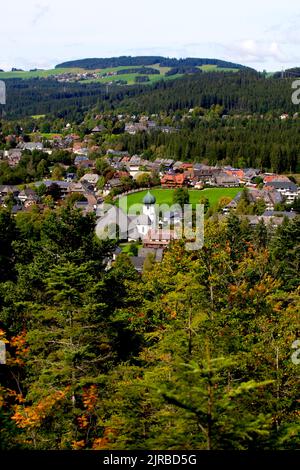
[(40, 10), (254, 33), (254, 50)]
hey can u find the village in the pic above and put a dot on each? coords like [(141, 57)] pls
[(94, 184)]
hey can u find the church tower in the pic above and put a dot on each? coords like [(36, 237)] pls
[(149, 208)]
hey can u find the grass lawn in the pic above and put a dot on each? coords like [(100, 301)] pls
[(163, 70), (38, 73), (215, 68), (38, 116), (126, 247), (47, 135), (165, 196)]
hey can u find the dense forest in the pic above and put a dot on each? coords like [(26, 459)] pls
[(194, 354), (291, 73), (238, 92), (38, 96), (243, 143), (146, 61), (243, 92)]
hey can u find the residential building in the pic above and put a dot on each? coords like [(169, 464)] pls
[(227, 181), (173, 181), (90, 178), (288, 190)]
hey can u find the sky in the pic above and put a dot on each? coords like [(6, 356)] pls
[(263, 34)]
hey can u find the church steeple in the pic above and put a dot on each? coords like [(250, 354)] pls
[(149, 199), (149, 208)]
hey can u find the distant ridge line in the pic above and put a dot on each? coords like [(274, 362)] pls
[(102, 63)]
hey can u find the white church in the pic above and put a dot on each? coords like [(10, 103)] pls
[(129, 227)]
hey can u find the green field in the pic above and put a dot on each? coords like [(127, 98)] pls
[(126, 247), (215, 68), (39, 73), (46, 135), (38, 116), (130, 78), (56, 72), (165, 196), (163, 70)]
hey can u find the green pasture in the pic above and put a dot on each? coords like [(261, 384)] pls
[(165, 196)]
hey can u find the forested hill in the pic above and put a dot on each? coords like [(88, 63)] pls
[(288, 73), (101, 63), (242, 92)]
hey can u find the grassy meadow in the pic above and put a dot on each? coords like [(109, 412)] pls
[(130, 78), (165, 196)]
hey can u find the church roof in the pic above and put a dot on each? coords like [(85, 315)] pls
[(149, 199)]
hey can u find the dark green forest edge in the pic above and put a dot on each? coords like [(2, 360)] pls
[(237, 92), (252, 133), (147, 61), (196, 352), (236, 120)]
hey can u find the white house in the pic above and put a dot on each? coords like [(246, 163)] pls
[(288, 190)]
